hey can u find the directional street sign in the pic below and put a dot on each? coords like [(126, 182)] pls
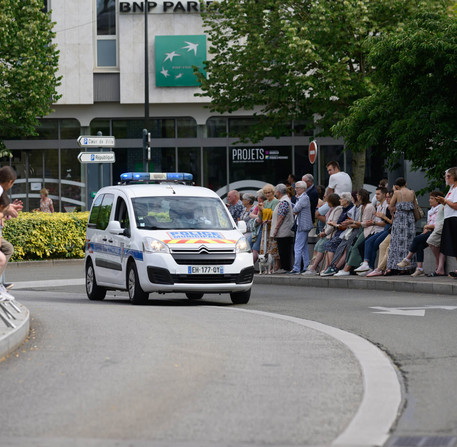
[(91, 141), (96, 157)]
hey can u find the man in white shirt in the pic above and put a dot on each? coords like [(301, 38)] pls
[(339, 181)]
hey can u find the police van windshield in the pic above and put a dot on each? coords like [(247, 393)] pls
[(170, 213)]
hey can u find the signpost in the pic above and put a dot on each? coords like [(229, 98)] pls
[(91, 141), (96, 157), (312, 151)]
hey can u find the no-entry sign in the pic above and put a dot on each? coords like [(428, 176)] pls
[(312, 151)]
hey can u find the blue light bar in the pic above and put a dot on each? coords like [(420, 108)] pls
[(158, 176)]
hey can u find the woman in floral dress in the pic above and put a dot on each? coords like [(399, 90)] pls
[(403, 226)]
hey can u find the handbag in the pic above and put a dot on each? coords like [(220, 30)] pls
[(417, 211)]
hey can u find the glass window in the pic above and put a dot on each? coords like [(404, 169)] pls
[(168, 159), (215, 167), (73, 187), (106, 53), (173, 213), (240, 126), (95, 211), (69, 129), (187, 128), (121, 214), (47, 130), (106, 17), (216, 127), (101, 125), (189, 161), (162, 128), (128, 128), (105, 211)]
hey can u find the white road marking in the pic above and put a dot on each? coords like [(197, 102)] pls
[(409, 311), (48, 283), (381, 400)]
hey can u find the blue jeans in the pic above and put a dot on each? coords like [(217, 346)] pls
[(372, 245), (301, 251)]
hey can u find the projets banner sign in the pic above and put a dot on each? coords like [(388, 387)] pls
[(175, 56), (256, 155), (163, 7)]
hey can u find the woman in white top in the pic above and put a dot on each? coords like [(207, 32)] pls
[(449, 234)]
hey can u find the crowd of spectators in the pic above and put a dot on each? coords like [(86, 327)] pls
[(355, 235)]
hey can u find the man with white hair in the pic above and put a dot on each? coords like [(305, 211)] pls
[(302, 211), (235, 206)]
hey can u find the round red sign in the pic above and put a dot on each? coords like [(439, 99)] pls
[(312, 152)]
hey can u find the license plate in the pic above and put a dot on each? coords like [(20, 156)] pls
[(205, 270)]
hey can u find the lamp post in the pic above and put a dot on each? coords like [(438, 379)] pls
[(146, 80)]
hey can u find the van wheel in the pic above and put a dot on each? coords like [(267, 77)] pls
[(240, 297), (136, 293), (94, 292), (194, 295)]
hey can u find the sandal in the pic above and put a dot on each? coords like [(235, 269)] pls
[(453, 274), (432, 275)]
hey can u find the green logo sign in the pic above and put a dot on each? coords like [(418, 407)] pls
[(175, 56)]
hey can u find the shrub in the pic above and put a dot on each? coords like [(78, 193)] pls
[(47, 236)]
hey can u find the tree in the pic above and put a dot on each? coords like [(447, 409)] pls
[(28, 65), (290, 60), (413, 109)]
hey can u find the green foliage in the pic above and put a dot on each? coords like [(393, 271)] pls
[(294, 60), (28, 65), (47, 236), (412, 112)]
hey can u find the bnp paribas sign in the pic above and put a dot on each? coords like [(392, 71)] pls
[(163, 6), (174, 58)]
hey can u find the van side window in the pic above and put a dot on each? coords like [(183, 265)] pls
[(105, 211), (121, 214), (92, 223)]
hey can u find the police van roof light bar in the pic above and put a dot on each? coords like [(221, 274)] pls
[(151, 177)]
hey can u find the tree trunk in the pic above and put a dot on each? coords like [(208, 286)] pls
[(358, 169)]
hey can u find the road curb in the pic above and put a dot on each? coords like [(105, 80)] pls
[(12, 338), (442, 286)]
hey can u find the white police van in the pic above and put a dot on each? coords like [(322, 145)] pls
[(165, 237)]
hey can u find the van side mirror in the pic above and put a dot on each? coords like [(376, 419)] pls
[(241, 225), (114, 227)]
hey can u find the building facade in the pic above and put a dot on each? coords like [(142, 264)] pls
[(102, 64)]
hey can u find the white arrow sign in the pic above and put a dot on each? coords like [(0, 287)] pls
[(409, 311), (91, 141), (96, 157)]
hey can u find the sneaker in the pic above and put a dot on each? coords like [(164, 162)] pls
[(5, 294), (342, 273), (404, 263), (418, 272), (309, 272), (365, 273), (375, 272), (293, 272), (280, 271), (330, 271), (363, 267)]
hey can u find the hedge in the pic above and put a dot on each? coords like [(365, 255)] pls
[(37, 236)]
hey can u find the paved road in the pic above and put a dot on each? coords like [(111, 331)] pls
[(279, 364)]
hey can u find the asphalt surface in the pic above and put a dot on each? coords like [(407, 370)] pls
[(333, 371)]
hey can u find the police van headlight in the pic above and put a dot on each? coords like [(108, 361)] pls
[(242, 246), (152, 245)]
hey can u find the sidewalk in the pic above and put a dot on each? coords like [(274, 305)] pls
[(402, 283)]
